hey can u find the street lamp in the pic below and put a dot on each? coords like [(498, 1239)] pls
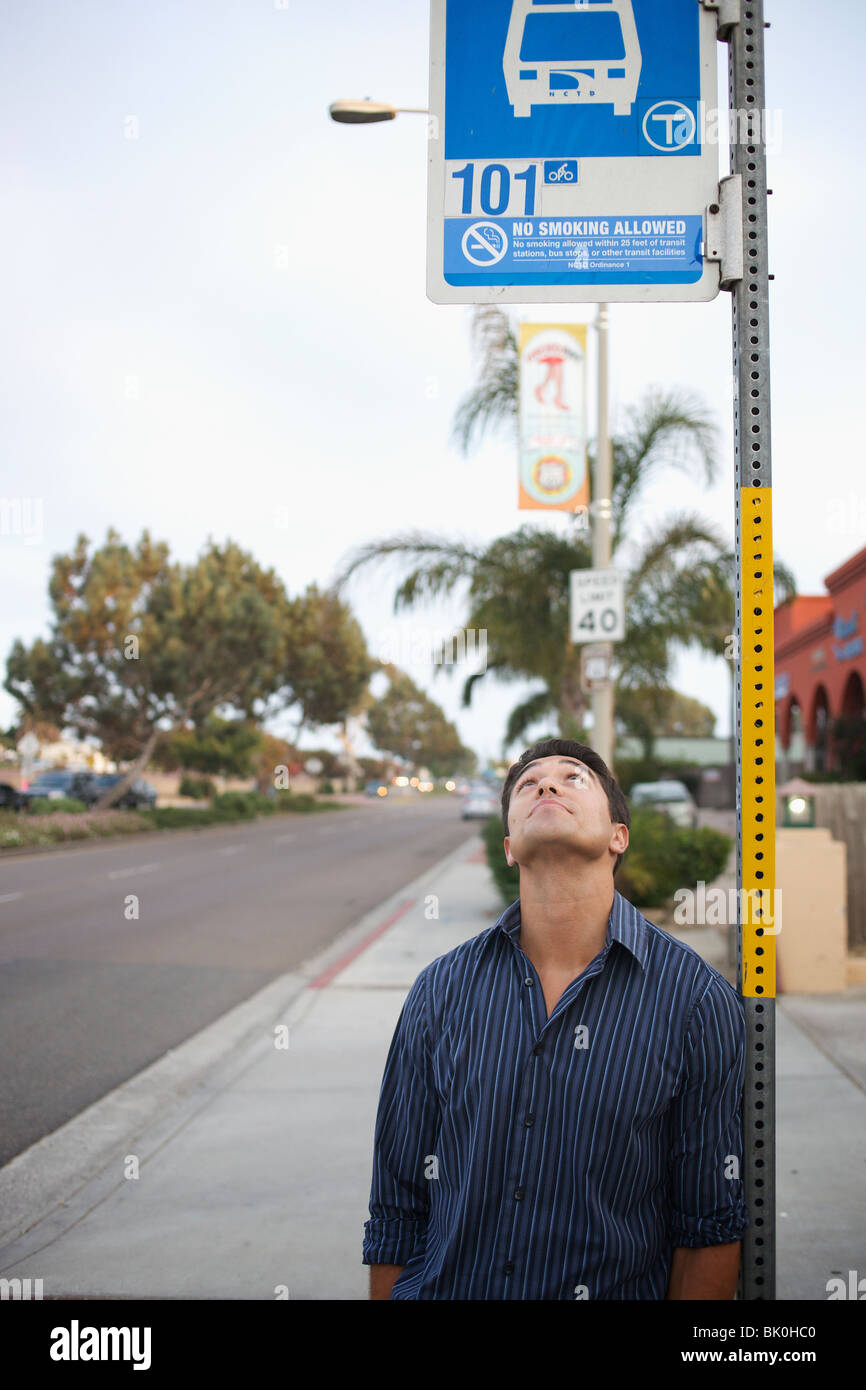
[(362, 111)]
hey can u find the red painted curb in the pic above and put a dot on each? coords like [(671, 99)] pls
[(334, 969)]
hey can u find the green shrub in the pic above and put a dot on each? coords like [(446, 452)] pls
[(631, 770), (506, 878), (179, 817), (45, 806), (198, 788), (304, 802), (660, 859), (80, 824), (18, 831), (236, 805), (699, 854), (327, 789)]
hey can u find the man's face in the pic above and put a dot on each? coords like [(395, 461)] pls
[(558, 804)]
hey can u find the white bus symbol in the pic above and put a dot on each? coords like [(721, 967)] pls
[(557, 54)]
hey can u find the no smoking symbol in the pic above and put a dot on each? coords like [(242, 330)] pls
[(484, 243)]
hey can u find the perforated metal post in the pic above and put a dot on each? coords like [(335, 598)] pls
[(755, 727)]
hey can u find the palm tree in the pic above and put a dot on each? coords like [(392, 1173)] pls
[(518, 585)]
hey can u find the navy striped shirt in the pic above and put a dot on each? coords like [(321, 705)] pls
[(521, 1157)]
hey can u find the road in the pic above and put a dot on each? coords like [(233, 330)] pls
[(89, 994)]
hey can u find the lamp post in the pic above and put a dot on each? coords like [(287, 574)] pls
[(363, 111)]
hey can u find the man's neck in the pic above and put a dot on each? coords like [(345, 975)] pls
[(564, 917)]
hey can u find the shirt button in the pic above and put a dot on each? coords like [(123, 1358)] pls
[(537, 1049), (528, 980), (519, 1193), (529, 1120), (509, 1268)]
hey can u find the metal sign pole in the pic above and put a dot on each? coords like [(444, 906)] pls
[(755, 725), (602, 696)]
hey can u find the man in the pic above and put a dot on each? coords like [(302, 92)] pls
[(560, 1110)]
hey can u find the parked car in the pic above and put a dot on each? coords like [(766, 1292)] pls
[(56, 784), (138, 793), (11, 799), (479, 803), (672, 798), (376, 789)]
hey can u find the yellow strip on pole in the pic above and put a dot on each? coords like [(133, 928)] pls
[(758, 746)]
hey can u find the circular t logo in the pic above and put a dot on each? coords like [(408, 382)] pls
[(669, 126)]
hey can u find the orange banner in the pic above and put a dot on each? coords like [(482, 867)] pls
[(552, 395)]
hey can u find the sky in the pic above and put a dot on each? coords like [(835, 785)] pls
[(216, 325)]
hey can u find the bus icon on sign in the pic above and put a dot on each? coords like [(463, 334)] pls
[(556, 54)]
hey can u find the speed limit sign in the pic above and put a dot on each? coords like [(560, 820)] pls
[(597, 606)]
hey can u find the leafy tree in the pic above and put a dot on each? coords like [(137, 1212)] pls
[(650, 712), (219, 747), (374, 767), (407, 723), (327, 668), (332, 765), (142, 647), (274, 752)]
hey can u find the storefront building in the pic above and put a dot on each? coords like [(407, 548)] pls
[(820, 668)]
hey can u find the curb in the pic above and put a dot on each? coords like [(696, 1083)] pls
[(55, 1182)]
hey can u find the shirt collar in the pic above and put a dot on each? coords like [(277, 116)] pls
[(625, 925)]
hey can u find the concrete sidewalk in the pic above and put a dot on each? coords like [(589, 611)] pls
[(254, 1160)]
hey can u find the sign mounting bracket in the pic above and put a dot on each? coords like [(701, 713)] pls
[(724, 222), (727, 15)]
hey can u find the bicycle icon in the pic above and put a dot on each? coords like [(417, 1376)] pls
[(564, 171)]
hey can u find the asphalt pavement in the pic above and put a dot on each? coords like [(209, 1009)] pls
[(113, 953)]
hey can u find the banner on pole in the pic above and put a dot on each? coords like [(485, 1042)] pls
[(552, 396)]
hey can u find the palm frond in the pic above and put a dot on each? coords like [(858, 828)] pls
[(526, 713), (493, 401), (664, 547), (445, 562), (784, 583), (667, 428), (470, 682)]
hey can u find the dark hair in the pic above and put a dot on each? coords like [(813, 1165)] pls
[(567, 748)]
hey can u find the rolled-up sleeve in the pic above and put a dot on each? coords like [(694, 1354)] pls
[(706, 1130), (407, 1123)]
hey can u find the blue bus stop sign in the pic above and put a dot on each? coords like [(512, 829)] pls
[(572, 152)]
